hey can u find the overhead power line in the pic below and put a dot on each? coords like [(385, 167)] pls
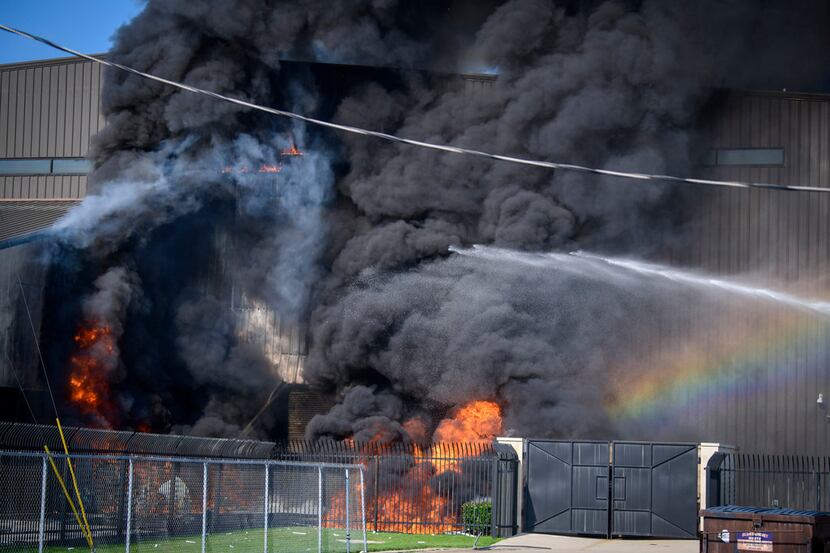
[(37, 346), (411, 142)]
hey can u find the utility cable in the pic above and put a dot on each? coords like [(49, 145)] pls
[(37, 345), (85, 528), (23, 393), (26, 398), (411, 142)]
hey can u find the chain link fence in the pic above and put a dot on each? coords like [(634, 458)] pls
[(176, 505), (434, 488)]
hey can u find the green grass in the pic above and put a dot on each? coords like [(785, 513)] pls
[(296, 539)]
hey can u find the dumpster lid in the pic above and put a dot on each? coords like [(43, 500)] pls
[(735, 511)]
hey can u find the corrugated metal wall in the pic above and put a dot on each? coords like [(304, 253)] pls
[(748, 230), (750, 378), (751, 375), (48, 110)]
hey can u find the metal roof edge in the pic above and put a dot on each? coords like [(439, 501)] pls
[(48, 61)]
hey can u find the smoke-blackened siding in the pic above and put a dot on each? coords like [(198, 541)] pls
[(16, 341), (282, 341), (760, 392), (51, 110), (303, 404)]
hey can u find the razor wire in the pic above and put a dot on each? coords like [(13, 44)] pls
[(180, 504), (412, 142)]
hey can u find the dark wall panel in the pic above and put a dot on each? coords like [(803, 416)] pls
[(759, 369)]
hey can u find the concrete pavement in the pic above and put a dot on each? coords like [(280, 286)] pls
[(542, 543)]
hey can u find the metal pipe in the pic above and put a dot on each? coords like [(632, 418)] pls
[(265, 535), (40, 533), (363, 510), (204, 504), (129, 505), (320, 510), (348, 530)]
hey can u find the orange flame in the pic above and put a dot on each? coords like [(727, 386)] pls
[(412, 504), (292, 151), (475, 422), (88, 386)]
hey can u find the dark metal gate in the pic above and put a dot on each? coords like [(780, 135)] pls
[(655, 490), (566, 491), (652, 488)]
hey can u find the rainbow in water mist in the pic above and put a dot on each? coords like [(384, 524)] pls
[(729, 362), (752, 342), (740, 353)]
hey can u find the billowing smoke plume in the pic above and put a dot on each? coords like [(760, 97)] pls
[(617, 85), (355, 238)]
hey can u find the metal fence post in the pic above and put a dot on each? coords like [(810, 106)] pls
[(715, 494), (171, 501), (129, 505), (319, 509), (375, 490), (495, 499), (363, 508), (40, 533), (818, 491), (348, 530), (119, 513), (204, 505), (265, 535), (63, 510)]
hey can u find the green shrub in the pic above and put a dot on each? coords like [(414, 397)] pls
[(476, 516)]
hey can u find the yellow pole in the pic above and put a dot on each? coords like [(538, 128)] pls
[(74, 481), (68, 497)]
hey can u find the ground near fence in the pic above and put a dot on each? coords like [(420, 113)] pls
[(295, 538), (539, 543)]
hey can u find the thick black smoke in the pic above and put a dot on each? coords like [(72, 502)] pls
[(355, 238), (614, 85), (545, 337)]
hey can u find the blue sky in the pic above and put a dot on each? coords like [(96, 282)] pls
[(85, 25)]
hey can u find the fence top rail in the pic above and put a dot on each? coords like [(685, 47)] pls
[(454, 451), (772, 470), (391, 458), (790, 464), (31, 437), (194, 460)]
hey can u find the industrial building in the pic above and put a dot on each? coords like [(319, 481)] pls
[(757, 390)]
